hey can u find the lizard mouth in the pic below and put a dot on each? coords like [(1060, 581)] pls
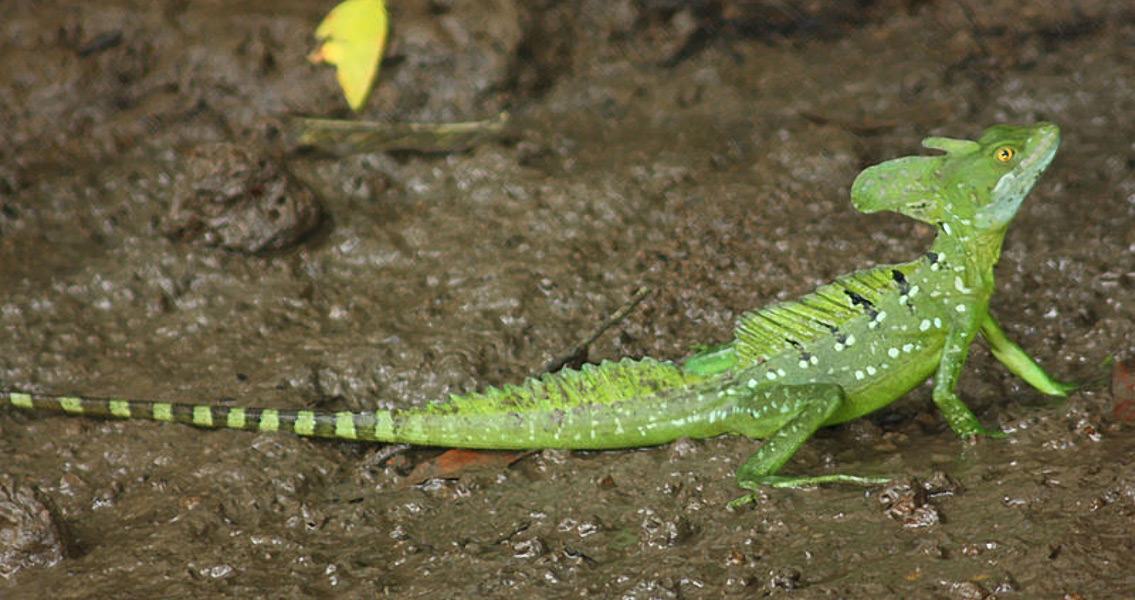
[(1015, 185), (1046, 139)]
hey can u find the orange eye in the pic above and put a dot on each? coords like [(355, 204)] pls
[(1005, 154)]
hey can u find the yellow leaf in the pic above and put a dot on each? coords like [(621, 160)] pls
[(353, 36)]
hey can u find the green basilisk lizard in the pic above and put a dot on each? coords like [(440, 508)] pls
[(849, 348)]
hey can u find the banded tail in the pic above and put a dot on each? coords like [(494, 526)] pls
[(360, 426), (554, 411)]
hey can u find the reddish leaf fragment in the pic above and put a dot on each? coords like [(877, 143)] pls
[(455, 462), (1123, 390)]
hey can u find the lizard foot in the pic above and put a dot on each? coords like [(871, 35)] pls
[(783, 481)]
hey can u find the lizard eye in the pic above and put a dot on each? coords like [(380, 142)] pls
[(1004, 154)]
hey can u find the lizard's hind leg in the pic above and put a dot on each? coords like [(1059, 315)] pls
[(806, 408)]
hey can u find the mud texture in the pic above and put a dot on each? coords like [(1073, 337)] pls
[(702, 148)]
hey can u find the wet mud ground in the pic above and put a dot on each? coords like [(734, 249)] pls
[(702, 149)]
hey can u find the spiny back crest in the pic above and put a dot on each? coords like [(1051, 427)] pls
[(606, 383)]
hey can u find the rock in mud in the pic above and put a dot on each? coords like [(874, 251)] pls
[(235, 199), (31, 532)]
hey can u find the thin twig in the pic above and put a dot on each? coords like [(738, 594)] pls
[(578, 352)]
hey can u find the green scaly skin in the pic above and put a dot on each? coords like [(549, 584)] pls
[(845, 350)]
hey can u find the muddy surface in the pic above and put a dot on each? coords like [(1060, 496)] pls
[(703, 149)]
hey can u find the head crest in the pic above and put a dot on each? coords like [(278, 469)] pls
[(911, 185)]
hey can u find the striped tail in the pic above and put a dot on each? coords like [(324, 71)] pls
[(591, 408), (360, 426)]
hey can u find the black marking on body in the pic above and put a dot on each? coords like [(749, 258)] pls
[(829, 326), (857, 300), (900, 279), (804, 354), (904, 289), (932, 257)]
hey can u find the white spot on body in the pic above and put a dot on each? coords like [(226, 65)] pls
[(893, 352), (924, 325)]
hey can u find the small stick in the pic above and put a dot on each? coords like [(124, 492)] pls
[(578, 352), (337, 137)]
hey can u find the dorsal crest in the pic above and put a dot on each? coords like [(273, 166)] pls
[(605, 383), (763, 333)]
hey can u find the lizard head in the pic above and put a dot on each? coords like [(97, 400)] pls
[(975, 186)]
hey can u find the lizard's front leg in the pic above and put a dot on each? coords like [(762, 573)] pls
[(967, 317), (1019, 362), (804, 408)]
